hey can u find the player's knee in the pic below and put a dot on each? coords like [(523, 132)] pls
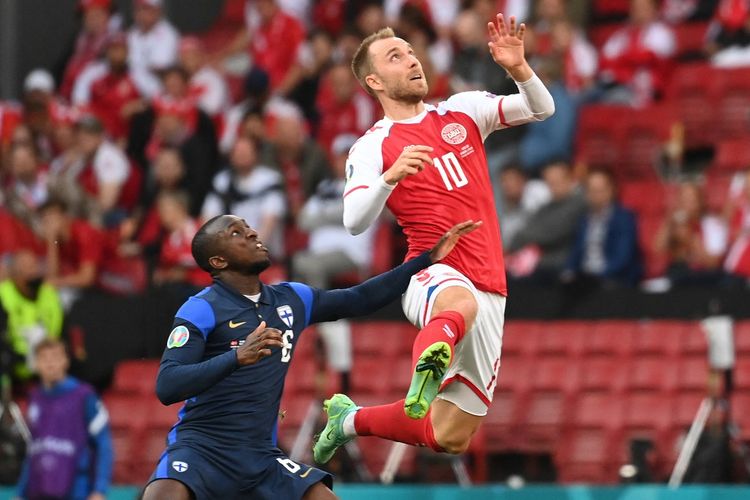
[(453, 441), (458, 299), (466, 307), (167, 489)]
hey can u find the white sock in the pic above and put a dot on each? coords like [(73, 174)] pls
[(348, 425)]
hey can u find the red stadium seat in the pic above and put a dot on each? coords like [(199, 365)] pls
[(367, 376), (657, 337), (555, 374), (386, 338), (685, 409), (562, 338), (585, 456), (600, 373), (136, 376), (644, 197), (693, 339), (647, 412), (693, 374), (302, 375), (519, 337), (717, 188), (599, 34), (740, 413), (598, 137), (514, 374), (611, 337), (655, 373), (732, 155), (732, 115), (692, 94), (501, 425), (742, 373), (543, 419), (742, 337), (690, 39), (597, 411), (644, 134), (121, 414)]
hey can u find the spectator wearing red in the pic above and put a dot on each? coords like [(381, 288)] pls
[(737, 262), (110, 91), (728, 37), (11, 114), (38, 100), (105, 172), (176, 264), (344, 107), (167, 173), (90, 42), (580, 60), (27, 186), (74, 248), (206, 84), (693, 240), (635, 59)]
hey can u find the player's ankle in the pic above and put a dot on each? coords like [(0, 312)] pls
[(347, 426)]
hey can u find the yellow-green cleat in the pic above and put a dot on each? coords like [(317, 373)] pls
[(425, 383), (332, 436)]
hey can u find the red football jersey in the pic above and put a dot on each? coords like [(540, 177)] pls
[(455, 188)]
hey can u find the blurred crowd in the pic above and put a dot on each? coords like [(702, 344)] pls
[(108, 169)]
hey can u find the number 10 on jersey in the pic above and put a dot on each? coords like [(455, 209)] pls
[(450, 171)]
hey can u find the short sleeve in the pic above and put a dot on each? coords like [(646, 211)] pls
[(198, 312), (484, 108), (306, 294)]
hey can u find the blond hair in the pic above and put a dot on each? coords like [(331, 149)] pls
[(362, 63)]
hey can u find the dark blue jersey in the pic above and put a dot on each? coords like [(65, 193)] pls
[(239, 405)]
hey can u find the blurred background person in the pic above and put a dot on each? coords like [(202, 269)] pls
[(32, 310), (152, 40), (252, 191), (206, 84), (605, 252), (737, 261), (692, 240), (27, 184), (520, 197), (71, 452), (728, 37)]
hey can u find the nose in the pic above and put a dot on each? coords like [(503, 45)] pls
[(251, 233)]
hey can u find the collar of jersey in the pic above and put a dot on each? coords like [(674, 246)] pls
[(416, 118), (228, 291)]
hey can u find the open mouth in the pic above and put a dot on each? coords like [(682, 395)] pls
[(416, 77)]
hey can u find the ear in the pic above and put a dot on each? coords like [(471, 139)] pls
[(373, 82), (217, 262)]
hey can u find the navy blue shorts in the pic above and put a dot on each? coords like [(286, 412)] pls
[(226, 472)]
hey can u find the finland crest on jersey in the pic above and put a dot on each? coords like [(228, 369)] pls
[(286, 315)]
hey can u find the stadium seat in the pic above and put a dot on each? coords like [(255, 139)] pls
[(657, 337), (519, 337), (584, 456), (598, 137), (693, 338), (121, 414), (136, 376), (740, 413), (742, 337), (647, 413), (654, 373), (555, 374), (599, 34), (732, 112), (302, 376), (693, 373), (612, 337), (515, 373), (501, 425), (644, 197), (386, 338), (561, 338), (367, 376), (545, 414), (597, 411), (600, 373), (690, 37), (644, 135), (685, 408), (742, 373), (717, 188), (690, 91), (732, 155)]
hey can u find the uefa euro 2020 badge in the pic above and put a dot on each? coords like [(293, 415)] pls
[(178, 337)]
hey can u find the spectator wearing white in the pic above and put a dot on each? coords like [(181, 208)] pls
[(206, 84), (520, 197), (332, 251), (152, 41), (252, 191)]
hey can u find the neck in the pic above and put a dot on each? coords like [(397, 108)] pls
[(400, 110), (243, 283), (51, 383)]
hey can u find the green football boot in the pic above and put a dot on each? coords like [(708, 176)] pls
[(428, 375), (328, 441)]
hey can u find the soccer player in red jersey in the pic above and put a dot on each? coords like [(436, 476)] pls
[(428, 165)]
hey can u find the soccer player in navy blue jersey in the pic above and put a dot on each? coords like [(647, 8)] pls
[(227, 357)]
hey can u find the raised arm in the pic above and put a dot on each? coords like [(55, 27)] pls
[(367, 297)]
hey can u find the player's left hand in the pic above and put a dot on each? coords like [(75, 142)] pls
[(450, 239), (506, 42)]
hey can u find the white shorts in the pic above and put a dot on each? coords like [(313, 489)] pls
[(477, 356)]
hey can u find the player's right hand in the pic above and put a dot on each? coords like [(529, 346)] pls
[(258, 344), (411, 161)]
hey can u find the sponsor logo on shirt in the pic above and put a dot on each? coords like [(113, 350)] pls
[(178, 337), (453, 133)]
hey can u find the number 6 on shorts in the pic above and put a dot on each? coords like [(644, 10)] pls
[(289, 464)]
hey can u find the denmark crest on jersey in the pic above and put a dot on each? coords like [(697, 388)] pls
[(454, 133), (286, 315)]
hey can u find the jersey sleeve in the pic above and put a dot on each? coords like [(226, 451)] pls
[(491, 112), (366, 191), (183, 373)]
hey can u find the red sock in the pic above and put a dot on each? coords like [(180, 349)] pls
[(448, 326), (390, 422)]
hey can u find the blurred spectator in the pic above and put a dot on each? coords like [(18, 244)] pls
[(520, 198), (546, 13), (71, 451), (728, 37), (635, 59), (257, 94), (38, 101), (90, 42), (552, 139), (11, 115), (32, 308), (605, 251), (261, 37), (679, 11), (206, 84), (693, 241), (27, 184), (344, 107), (332, 252), (540, 250), (578, 56), (174, 120), (111, 91), (253, 192), (488, 9), (167, 173), (74, 250), (105, 172), (152, 41), (302, 161), (315, 59), (737, 262), (176, 265)]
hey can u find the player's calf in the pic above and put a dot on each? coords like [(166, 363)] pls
[(453, 428)]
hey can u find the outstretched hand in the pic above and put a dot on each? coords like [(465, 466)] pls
[(506, 42), (449, 240)]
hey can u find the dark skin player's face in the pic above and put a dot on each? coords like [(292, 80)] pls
[(238, 247)]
